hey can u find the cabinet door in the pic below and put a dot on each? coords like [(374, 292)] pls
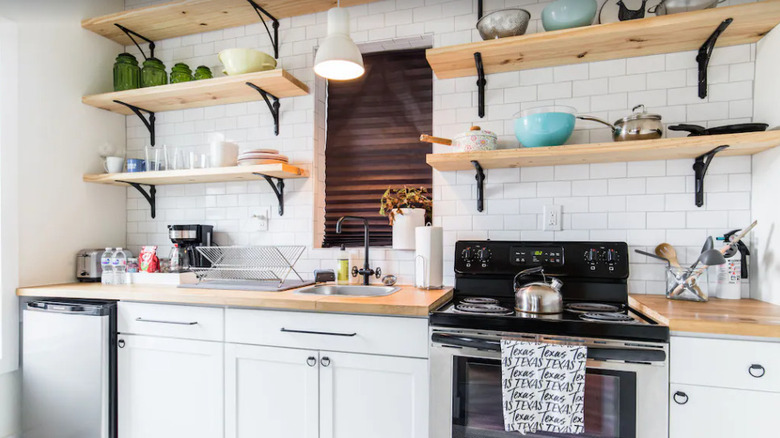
[(170, 387), (377, 396), (271, 392), (702, 411)]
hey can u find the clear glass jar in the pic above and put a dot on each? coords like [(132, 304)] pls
[(181, 73), (127, 74), (684, 283), (153, 73)]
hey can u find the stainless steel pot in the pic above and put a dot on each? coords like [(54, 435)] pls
[(667, 7), (637, 126), (538, 297)]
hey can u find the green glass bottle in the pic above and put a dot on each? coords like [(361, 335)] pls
[(203, 72), (153, 73), (127, 74), (181, 73)]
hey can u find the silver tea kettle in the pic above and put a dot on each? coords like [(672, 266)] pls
[(538, 297)]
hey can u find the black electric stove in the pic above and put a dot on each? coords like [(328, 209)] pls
[(595, 290)]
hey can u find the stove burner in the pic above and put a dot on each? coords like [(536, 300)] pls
[(606, 317), (483, 309), (592, 307), (479, 300)]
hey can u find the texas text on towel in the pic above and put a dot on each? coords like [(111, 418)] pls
[(543, 387)]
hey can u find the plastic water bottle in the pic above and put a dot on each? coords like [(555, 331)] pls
[(107, 275), (119, 263)]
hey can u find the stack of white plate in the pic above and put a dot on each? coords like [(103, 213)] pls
[(261, 156)]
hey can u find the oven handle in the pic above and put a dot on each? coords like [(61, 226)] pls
[(595, 353)]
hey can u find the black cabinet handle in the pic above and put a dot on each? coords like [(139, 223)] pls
[(311, 361), (121, 343), (680, 398), (756, 371), (325, 361)]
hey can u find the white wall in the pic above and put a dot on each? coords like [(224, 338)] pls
[(642, 203), (57, 141), (766, 178)]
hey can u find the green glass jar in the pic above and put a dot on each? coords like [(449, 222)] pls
[(127, 74), (181, 73), (153, 73), (203, 72)]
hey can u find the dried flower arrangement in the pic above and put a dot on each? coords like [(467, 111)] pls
[(394, 200)]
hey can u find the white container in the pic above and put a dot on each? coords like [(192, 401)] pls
[(728, 284), (429, 258), (224, 154), (404, 225)]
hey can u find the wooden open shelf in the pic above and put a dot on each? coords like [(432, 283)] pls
[(643, 150), (187, 17), (205, 92), (194, 176), (648, 36)]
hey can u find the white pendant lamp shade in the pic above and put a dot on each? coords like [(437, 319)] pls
[(338, 58)]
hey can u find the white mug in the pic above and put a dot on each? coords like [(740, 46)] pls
[(114, 164), (224, 154)]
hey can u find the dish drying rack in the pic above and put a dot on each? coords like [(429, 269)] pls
[(270, 265)]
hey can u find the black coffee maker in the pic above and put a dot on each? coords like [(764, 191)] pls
[(189, 237)]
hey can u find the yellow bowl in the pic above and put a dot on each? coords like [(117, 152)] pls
[(240, 61)]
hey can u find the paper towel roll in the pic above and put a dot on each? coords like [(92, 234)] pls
[(428, 257)]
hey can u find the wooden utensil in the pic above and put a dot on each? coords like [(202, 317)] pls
[(668, 252), (438, 140)]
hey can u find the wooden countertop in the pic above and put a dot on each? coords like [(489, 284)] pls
[(409, 301), (721, 317)]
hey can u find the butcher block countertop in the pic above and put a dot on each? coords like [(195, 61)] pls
[(409, 301), (719, 317)]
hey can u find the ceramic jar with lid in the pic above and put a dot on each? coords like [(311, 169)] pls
[(202, 72), (181, 73), (153, 73), (127, 74)]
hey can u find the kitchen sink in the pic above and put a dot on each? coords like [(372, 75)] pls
[(350, 291)]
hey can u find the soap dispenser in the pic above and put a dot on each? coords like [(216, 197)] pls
[(342, 266)]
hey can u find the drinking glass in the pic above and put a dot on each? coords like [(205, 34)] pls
[(153, 158)]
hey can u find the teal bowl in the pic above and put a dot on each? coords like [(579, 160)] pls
[(566, 14), (544, 126)]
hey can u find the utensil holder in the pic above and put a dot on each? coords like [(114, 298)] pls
[(684, 283)]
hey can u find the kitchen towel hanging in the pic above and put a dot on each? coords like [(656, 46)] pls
[(428, 257), (543, 387)]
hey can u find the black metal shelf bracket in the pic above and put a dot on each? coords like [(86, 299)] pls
[(151, 196), (481, 82), (278, 188), (149, 123), (273, 107), (480, 177), (700, 167), (480, 9), (274, 23), (130, 34), (705, 53)]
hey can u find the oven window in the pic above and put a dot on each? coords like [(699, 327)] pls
[(610, 402)]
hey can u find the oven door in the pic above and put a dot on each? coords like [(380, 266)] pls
[(626, 386)]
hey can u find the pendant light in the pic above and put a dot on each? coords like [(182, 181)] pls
[(338, 57)]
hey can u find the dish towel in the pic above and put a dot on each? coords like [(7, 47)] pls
[(543, 387)]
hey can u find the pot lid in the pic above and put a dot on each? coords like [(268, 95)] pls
[(476, 130), (640, 115)]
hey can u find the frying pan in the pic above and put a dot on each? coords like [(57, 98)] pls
[(696, 130)]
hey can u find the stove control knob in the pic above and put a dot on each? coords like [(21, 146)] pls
[(592, 256), (612, 256), (466, 254), (484, 255)]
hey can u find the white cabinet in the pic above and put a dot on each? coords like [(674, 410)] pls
[(706, 412), (170, 388), (271, 392), (723, 388), (378, 396)]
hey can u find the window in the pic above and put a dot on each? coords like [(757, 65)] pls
[(373, 142)]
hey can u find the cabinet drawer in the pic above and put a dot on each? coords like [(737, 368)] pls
[(725, 363), (393, 336), (203, 323)]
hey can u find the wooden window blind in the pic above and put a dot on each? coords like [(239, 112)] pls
[(373, 142)]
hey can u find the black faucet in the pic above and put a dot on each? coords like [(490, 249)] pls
[(366, 272)]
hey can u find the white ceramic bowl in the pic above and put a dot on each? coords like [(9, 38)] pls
[(240, 61)]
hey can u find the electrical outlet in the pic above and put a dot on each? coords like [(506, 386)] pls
[(551, 219), (262, 215)]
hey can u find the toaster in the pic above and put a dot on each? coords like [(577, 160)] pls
[(88, 268)]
